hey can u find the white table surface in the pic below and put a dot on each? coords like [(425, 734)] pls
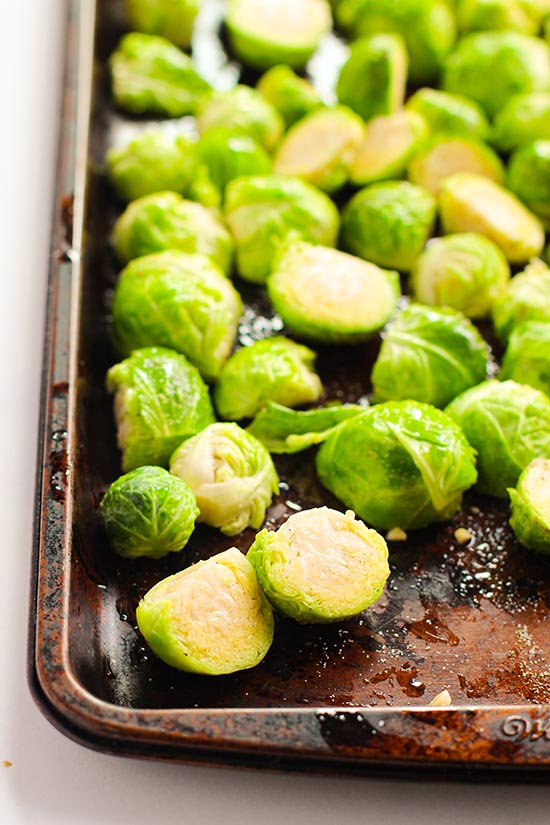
[(51, 779)]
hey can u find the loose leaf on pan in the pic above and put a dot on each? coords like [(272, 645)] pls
[(283, 430)]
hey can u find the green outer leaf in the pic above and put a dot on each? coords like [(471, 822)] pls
[(283, 430), (530, 523), (291, 95), (173, 19), (244, 111), (526, 298), (527, 356), (452, 114)]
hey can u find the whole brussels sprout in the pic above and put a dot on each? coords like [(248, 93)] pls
[(281, 31), (327, 295), (160, 400), (321, 148), (164, 220), (173, 19), (148, 512), (508, 425), (526, 298), (245, 111), (227, 156), (482, 15), (527, 356), (429, 355), (465, 271), (473, 203), (428, 27), (400, 464), (263, 212), (529, 177), (273, 369), (389, 223), (179, 301), (530, 505), (292, 96), (373, 80), (211, 618), (388, 144), (444, 155), (491, 67), (283, 430), (231, 475), (321, 565), (448, 113), (152, 76), (523, 119)]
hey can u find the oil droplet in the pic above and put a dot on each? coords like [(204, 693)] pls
[(59, 435)]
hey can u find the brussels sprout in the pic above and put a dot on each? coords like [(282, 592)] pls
[(273, 369), (467, 272), (227, 156), (448, 113), (374, 78), (428, 27), (526, 298), (151, 76), (491, 67), (401, 464), (244, 111), (524, 119), (389, 223), (152, 162), (530, 503), (263, 212), (536, 9), (173, 19), (163, 221), (429, 355), (443, 156), (321, 148), (388, 144), (321, 565), (231, 475), (482, 15), (148, 512), (527, 356), (160, 400), (179, 301), (529, 177), (292, 96), (283, 430), (327, 295), (211, 618), (472, 203), (280, 31)]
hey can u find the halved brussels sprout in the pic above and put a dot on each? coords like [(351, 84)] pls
[(292, 96), (529, 177), (148, 512), (173, 19), (526, 298), (179, 301), (429, 355), (244, 111), (530, 506), (400, 464), (491, 67), (211, 618), (321, 148), (508, 425), (472, 203), (445, 155), (482, 15), (152, 76), (389, 223), (273, 369), (523, 119), (263, 212), (280, 31), (527, 356), (374, 78), (283, 430), (388, 144), (321, 565), (160, 400), (231, 475), (327, 295), (227, 156), (164, 220), (464, 271), (428, 27), (448, 113)]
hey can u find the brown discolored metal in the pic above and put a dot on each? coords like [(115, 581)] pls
[(470, 618)]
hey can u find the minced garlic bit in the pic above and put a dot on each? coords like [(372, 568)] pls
[(442, 700), (462, 535), (396, 534)]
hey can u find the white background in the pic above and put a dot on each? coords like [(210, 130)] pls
[(53, 780)]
